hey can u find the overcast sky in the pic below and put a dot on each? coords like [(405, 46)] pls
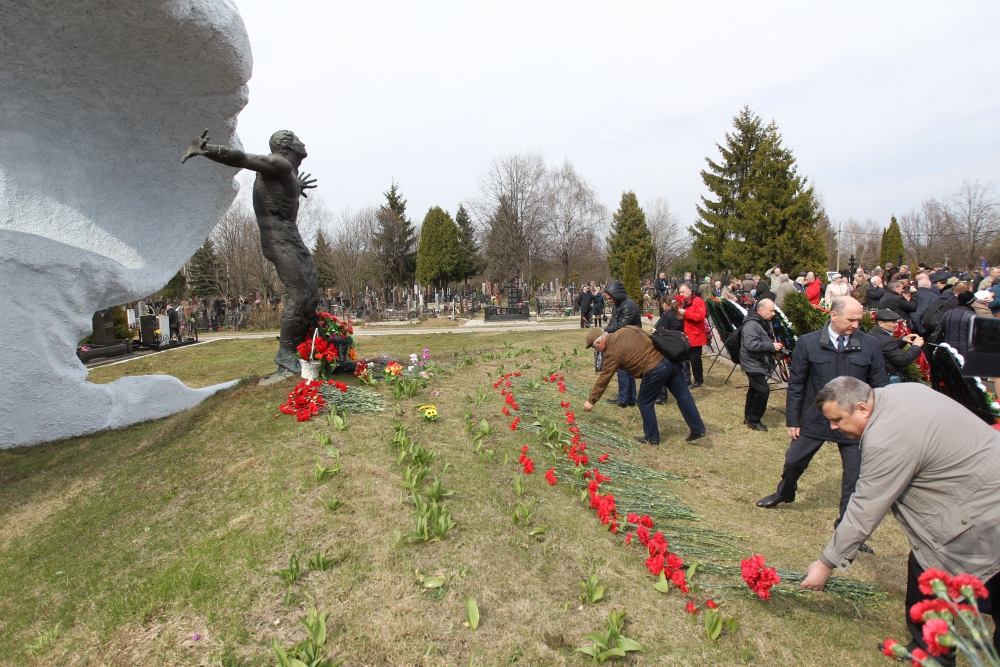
[(884, 104)]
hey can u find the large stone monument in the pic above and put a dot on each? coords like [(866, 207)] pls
[(95, 209), (276, 193)]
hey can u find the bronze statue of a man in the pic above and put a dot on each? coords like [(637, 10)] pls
[(276, 194)]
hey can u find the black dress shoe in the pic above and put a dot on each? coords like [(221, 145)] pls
[(865, 549), (692, 436), (643, 441), (660, 402), (773, 500), (613, 401), (631, 405), (757, 426), (695, 385)]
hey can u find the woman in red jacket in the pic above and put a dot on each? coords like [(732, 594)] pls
[(694, 311), (814, 288)]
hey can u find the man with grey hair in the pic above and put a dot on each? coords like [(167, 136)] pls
[(838, 349), (757, 348), (936, 466), (897, 299)]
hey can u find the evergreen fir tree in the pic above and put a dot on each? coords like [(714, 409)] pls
[(892, 244), (174, 290), (630, 277), (438, 255), (203, 272), (629, 232), (470, 262), (763, 214), (395, 240), (323, 257)]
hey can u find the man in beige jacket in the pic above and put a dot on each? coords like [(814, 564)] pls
[(936, 466)]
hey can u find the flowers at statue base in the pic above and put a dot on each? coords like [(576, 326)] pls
[(304, 401), (550, 476), (758, 576), (317, 349), (430, 412), (526, 463)]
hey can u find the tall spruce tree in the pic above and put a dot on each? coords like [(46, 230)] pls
[(762, 213), (629, 232), (892, 244), (470, 261), (323, 257), (203, 272), (438, 255), (630, 277), (395, 240)]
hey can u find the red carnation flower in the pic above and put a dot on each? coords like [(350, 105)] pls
[(564, 404), (929, 576), (513, 424), (628, 539), (887, 647), (960, 581), (934, 629), (550, 476), (924, 607), (711, 604), (690, 608), (603, 457)]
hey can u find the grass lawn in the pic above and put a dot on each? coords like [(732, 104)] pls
[(120, 548)]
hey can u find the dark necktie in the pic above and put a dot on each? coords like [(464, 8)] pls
[(841, 343)]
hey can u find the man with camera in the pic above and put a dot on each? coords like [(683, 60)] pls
[(896, 360), (757, 348), (839, 348), (936, 466)]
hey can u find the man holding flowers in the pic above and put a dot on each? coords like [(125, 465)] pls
[(936, 465)]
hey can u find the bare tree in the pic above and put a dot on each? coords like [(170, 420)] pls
[(575, 213), (973, 213), (671, 239), (863, 240), (237, 244), (513, 197), (927, 233), (351, 239)]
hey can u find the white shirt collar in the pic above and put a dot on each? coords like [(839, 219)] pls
[(834, 336)]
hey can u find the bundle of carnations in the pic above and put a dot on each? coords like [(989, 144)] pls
[(919, 370), (304, 401), (954, 598)]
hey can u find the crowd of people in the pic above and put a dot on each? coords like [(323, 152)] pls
[(903, 446)]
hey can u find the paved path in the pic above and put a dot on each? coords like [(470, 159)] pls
[(360, 332)]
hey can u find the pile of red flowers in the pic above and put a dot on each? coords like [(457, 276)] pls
[(560, 384), (304, 401), (317, 349), (922, 364), (526, 463), (758, 576), (660, 559), (603, 503)]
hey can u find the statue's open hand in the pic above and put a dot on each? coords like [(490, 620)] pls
[(305, 183), (197, 147)]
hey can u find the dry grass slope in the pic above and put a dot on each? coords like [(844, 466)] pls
[(132, 542)]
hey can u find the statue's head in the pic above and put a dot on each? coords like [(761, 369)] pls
[(285, 141)]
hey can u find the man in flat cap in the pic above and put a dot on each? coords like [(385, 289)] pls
[(896, 359)]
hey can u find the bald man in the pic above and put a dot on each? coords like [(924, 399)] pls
[(840, 348)]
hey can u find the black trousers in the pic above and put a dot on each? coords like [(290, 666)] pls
[(757, 394), (696, 368), (801, 451), (913, 596)]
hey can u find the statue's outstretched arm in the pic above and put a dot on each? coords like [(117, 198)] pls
[(233, 157)]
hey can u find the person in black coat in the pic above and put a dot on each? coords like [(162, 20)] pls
[(874, 293), (624, 313), (896, 360), (839, 348), (763, 290), (669, 321), (662, 288), (586, 302), (901, 303), (597, 307)]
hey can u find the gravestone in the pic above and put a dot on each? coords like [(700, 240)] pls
[(104, 328)]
